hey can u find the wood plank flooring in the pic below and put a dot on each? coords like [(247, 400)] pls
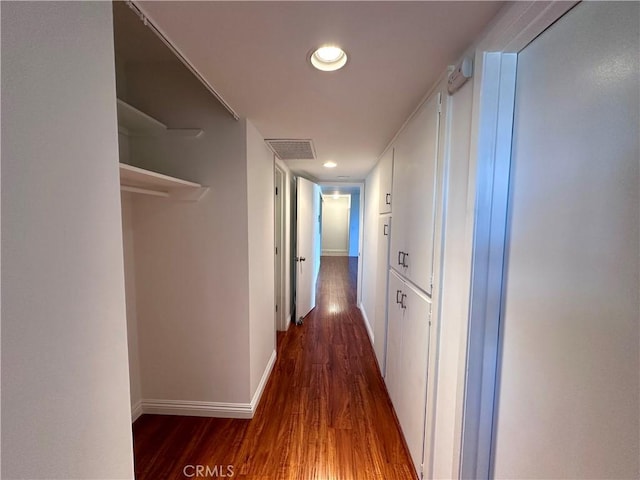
[(324, 415)]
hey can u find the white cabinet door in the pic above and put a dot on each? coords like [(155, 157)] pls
[(380, 324), (414, 187), (394, 338), (407, 360), (386, 175), (414, 362)]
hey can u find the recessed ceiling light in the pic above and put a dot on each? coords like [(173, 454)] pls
[(330, 164), (328, 58), (336, 196)]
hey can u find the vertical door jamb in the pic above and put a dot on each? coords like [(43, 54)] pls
[(490, 160), (279, 179), (492, 189)]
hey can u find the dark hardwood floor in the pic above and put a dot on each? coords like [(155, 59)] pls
[(324, 414)]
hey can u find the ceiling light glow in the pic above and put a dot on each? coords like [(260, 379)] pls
[(330, 165), (329, 54), (328, 58)]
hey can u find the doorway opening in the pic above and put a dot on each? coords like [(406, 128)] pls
[(341, 225), (328, 218)]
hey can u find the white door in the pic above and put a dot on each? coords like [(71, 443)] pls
[(414, 196), (568, 395), (307, 246)]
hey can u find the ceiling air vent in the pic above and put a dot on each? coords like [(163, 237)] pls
[(291, 149)]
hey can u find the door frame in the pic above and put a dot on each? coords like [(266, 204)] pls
[(280, 250), (489, 165), (360, 186), (322, 210)]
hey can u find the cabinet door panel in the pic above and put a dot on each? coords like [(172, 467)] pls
[(407, 360), (414, 186), (400, 205), (394, 340), (386, 173), (414, 365), (380, 324)]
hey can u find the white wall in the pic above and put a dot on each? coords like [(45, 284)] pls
[(65, 386), (370, 246), (260, 203), (335, 225), (568, 400), (192, 268), (128, 240), (288, 196), (204, 271)]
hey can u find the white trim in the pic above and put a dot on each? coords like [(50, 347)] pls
[(136, 411), (288, 323), (209, 409), (492, 185), (495, 64), (367, 324), (521, 23), (197, 409), (335, 253), (440, 209), (281, 204), (263, 381)]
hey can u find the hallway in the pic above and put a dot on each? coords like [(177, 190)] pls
[(324, 414)]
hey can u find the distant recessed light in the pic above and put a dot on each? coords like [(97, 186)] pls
[(330, 165), (328, 58)]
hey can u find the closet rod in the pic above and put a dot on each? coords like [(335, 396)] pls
[(143, 17)]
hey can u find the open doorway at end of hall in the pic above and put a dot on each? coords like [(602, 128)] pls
[(341, 224)]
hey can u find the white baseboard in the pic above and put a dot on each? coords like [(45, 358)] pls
[(335, 253), (197, 409), (209, 409), (366, 322), (263, 381), (286, 324), (136, 411)]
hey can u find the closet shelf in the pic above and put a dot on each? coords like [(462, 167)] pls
[(138, 180), (135, 123)]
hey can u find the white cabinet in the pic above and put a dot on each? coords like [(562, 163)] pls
[(394, 340), (386, 176), (409, 321), (414, 199), (382, 277)]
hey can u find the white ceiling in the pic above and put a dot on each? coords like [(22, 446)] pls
[(255, 55)]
